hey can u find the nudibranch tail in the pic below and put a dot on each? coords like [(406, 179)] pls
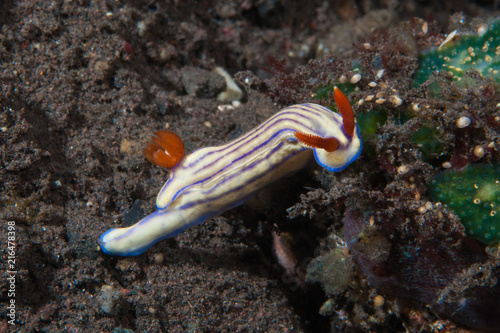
[(345, 110), (315, 141), (165, 150), (136, 239)]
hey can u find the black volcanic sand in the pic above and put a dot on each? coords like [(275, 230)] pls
[(84, 85)]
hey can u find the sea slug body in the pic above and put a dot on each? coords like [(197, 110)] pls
[(212, 180)]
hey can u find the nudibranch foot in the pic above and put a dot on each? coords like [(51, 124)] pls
[(212, 180)]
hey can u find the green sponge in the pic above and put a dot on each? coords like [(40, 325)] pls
[(480, 52), (474, 195)]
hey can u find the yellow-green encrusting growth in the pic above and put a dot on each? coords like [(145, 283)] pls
[(474, 194)]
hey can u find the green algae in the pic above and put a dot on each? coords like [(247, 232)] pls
[(427, 141), (474, 195), (369, 122), (323, 91)]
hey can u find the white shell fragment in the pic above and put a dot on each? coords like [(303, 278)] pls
[(425, 27), (403, 169), (447, 165), (482, 29), (478, 151), (448, 39), (232, 92), (396, 101), (463, 122), (379, 74), (355, 78)]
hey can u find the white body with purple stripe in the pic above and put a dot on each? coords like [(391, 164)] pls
[(212, 180)]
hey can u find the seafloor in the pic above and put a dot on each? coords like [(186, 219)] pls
[(84, 85)]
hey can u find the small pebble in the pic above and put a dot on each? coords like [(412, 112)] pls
[(327, 308), (208, 124), (141, 28), (367, 46), (463, 122), (342, 79), (422, 210), (158, 258), (125, 146), (378, 301), (108, 299)]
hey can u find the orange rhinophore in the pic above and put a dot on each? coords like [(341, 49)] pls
[(314, 141), (165, 150), (345, 110)]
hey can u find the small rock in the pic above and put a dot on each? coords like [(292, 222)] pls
[(108, 299), (232, 92), (104, 69), (48, 311), (202, 83)]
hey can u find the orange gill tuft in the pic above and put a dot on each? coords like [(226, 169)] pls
[(165, 150), (314, 141)]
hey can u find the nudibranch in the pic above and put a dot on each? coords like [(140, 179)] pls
[(212, 180)]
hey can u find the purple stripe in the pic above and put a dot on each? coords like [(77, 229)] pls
[(181, 191), (257, 133), (239, 188), (248, 138), (263, 127)]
